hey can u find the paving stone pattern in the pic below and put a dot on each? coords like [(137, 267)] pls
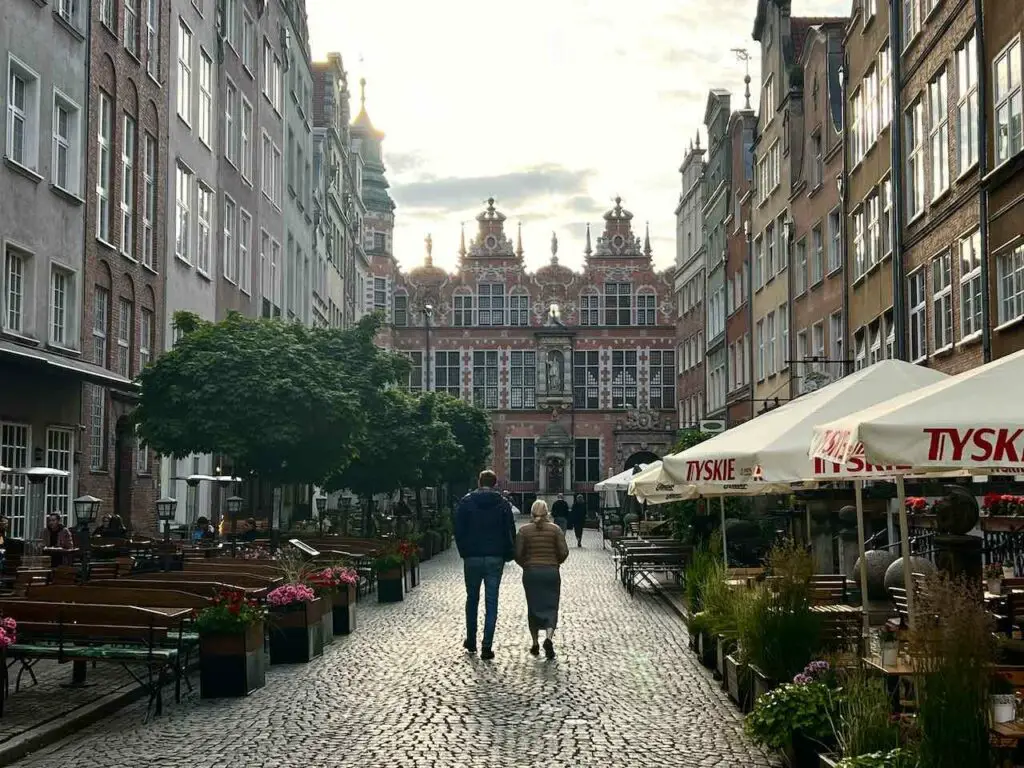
[(400, 692)]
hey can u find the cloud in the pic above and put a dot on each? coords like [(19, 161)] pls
[(582, 204), (509, 189), (403, 162)]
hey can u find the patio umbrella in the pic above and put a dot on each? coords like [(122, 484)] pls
[(620, 482)]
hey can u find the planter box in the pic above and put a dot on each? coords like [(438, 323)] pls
[(296, 633), (803, 753), (761, 682), (412, 576), (425, 550), (343, 612), (723, 648), (706, 650), (737, 681), (390, 586), (327, 618), (232, 665)]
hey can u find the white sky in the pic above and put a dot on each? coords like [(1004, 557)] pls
[(551, 106)]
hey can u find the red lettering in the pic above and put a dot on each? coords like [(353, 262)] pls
[(982, 441), (1005, 449), (710, 470), (987, 444)]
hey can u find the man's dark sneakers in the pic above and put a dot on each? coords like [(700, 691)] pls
[(486, 653), (469, 645), (549, 649), (535, 650)]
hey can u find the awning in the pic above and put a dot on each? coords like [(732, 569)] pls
[(94, 374)]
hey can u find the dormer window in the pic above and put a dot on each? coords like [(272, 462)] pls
[(618, 303), (491, 304), (646, 313)]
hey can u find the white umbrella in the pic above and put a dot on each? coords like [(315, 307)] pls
[(620, 482)]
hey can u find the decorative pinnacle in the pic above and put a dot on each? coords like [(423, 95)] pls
[(362, 92), (490, 205), (554, 248), (519, 240), (587, 250), (462, 238), (647, 239), (430, 250)]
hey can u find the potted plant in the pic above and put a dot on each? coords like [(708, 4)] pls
[(1002, 700), (425, 543), (795, 719), (1008, 569), (390, 581), (231, 658), (411, 557), (893, 758), (700, 630), (340, 582), (994, 577), (889, 646), (296, 624)]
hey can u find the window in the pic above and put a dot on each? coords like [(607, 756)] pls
[(145, 338), (400, 312), (857, 127), (800, 276), (590, 307), (523, 380), (522, 461), (918, 321), (230, 257), (244, 260), (415, 383), (970, 285), (14, 291), (1010, 288), (624, 379), (124, 338), (248, 42), (149, 160), (66, 142), (859, 255), (835, 335), (182, 223), (59, 451), (231, 20), (817, 160), (141, 455), (835, 231), (942, 302), (278, 177), (108, 14), (1007, 85), (491, 304), (783, 316), (884, 87), (22, 115), (131, 27), (204, 236), (153, 37), (462, 314), (967, 139), (938, 107), (914, 121), (769, 345), (184, 72), (768, 98), (128, 188), (760, 350), (817, 265), (68, 10), (911, 20), (885, 223), (267, 167), (448, 373), (617, 303), (61, 297), (105, 161), (758, 263), (769, 247), (100, 323), (588, 461), (519, 309), (873, 236), (231, 134), (663, 379), (204, 129), (860, 357), (586, 378), (268, 69), (245, 148), (645, 311), (485, 379), (14, 454)]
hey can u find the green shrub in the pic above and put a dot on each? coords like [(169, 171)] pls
[(698, 624), (790, 709), (864, 723), (696, 575), (896, 758)]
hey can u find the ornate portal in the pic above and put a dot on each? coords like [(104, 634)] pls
[(555, 474)]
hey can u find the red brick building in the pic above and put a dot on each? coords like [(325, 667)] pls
[(122, 315), (577, 370)]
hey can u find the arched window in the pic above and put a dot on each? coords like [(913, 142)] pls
[(646, 307), (519, 308), (590, 307)]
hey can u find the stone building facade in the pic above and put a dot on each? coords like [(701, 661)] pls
[(690, 282), (577, 370), (714, 214)]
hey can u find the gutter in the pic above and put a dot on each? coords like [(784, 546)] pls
[(983, 204), (899, 304)]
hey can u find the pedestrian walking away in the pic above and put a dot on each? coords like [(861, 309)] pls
[(560, 512), (540, 551), (578, 518), (485, 533), (511, 502)]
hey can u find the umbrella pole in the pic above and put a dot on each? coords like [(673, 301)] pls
[(908, 576), (858, 493), (725, 547)]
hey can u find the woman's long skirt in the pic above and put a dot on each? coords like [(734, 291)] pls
[(543, 586)]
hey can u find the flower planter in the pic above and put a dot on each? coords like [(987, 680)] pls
[(995, 586), (343, 611), (737, 682), (327, 618), (890, 654), (232, 665), (706, 650), (1003, 707), (802, 753), (426, 551), (723, 648), (761, 682), (390, 586), (1008, 573), (296, 633), (412, 575)]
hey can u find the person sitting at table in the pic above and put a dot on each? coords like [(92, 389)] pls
[(115, 528), (250, 532), (203, 530), (56, 536), (101, 530)]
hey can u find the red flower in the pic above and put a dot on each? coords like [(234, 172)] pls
[(990, 500)]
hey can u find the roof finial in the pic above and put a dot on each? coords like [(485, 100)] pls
[(554, 248), (362, 92), (490, 205), (462, 238), (647, 239), (519, 240), (430, 250), (742, 54), (698, 138), (587, 250)]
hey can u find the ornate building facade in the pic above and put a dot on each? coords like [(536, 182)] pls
[(577, 369)]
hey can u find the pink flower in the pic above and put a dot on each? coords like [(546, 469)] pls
[(8, 624), (288, 594)]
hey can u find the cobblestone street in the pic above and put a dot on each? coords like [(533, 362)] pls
[(624, 691)]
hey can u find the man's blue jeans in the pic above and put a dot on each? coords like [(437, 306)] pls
[(487, 570)]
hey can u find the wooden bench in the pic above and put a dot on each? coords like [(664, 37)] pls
[(118, 634), (645, 564), (202, 588), (232, 578)]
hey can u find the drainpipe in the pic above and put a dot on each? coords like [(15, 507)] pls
[(844, 205), (898, 197), (750, 306), (986, 296)]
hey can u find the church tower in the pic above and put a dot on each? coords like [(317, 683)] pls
[(379, 223)]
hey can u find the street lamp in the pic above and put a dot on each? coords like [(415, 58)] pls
[(86, 510), (165, 509), (428, 310), (321, 507)]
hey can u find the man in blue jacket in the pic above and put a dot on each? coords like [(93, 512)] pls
[(485, 533)]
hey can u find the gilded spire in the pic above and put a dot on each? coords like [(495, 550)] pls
[(462, 239), (430, 250), (588, 250), (647, 239), (519, 236)]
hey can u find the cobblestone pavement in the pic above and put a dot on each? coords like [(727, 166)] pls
[(400, 692)]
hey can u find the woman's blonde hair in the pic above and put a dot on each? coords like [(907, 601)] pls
[(539, 511)]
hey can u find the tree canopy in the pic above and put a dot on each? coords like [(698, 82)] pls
[(282, 400)]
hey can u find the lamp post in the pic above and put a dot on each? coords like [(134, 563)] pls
[(428, 310), (234, 506), (321, 507), (165, 510)]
